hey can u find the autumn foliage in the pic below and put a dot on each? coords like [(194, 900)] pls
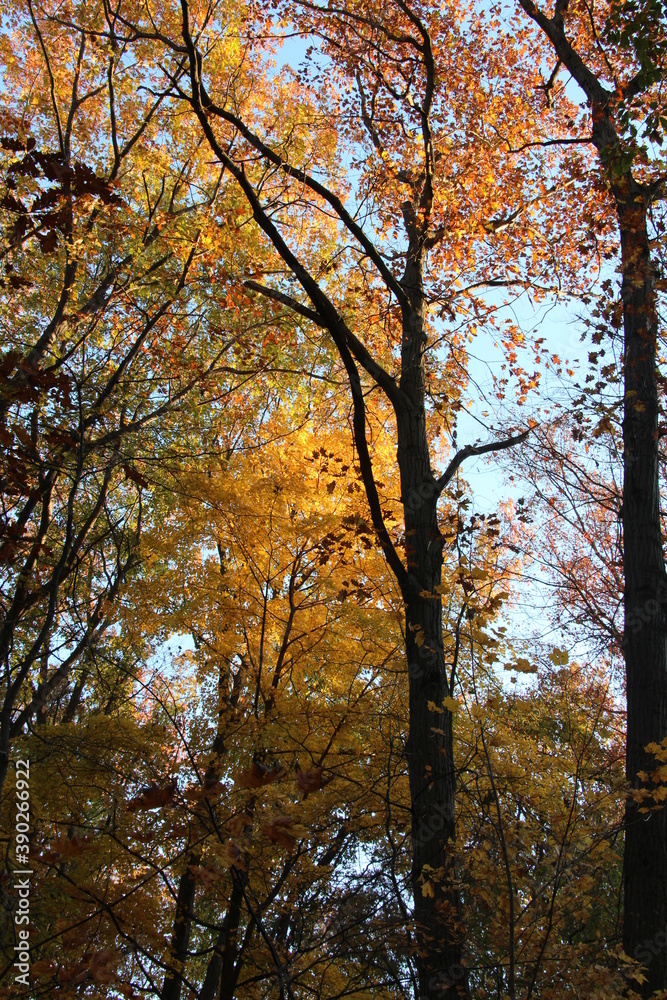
[(308, 713)]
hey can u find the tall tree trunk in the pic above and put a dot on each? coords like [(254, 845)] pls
[(171, 988), (222, 968), (429, 754), (182, 926), (645, 643), (429, 747), (229, 968)]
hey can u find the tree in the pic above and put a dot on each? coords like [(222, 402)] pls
[(394, 63), (107, 331), (396, 70), (357, 236), (545, 870), (239, 820), (206, 829), (616, 57)]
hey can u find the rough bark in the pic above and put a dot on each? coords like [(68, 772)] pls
[(171, 987), (645, 642), (429, 747)]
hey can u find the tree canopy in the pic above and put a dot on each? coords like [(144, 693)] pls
[(291, 707)]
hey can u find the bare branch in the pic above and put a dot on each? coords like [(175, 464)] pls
[(477, 449)]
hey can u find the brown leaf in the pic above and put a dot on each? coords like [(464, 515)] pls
[(258, 775), (281, 831), (313, 780), (68, 847), (153, 796), (208, 875), (44, 968), (239, 823), (232, 855)]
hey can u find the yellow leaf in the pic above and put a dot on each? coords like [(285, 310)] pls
[(448, 705), (524, 666)]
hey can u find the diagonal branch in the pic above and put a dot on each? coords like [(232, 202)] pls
[(325, 309), (477, 449), (568, 56), (208, 107), (367, 362), (285, 300)]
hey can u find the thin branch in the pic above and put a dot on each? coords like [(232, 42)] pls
[(477, 449), (368, 363), (52, 85)]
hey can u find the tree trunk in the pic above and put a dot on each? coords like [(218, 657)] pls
[(229, 969), (645, 860), (222, 968), (429, 747), (171, 988), (645, 853), (180, 940), (429, 754)]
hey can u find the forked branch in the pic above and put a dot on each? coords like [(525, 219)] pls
[(477, 449)]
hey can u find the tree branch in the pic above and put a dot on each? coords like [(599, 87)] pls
[(477, 449), (367, 362), (554, 30)]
